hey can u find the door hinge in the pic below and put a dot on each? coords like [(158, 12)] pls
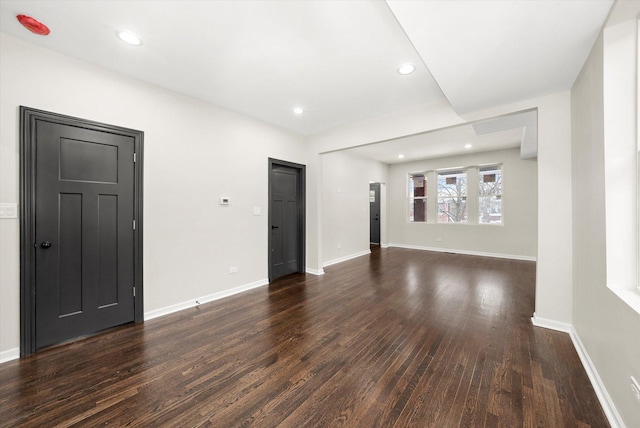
[(134, 225), (134, 157), (134, 291)]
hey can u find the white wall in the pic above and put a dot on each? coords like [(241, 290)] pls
[(608, 327), (194, 153), (345, 203), (553, 268), (517, 237)]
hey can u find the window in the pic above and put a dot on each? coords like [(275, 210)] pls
[(490, 195), (417, 197), (620, 77), (452, 196), (442, 196)]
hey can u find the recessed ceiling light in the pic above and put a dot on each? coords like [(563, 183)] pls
[(468, 146), (400, 156), (298, 110), (129, 38), (405, 69)]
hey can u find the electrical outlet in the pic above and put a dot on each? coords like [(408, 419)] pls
[(233, 269), (438, 239), (339, 245), (635, 389)]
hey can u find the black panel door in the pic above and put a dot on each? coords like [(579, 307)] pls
[(286, 216), (374, 213), (84, 249)]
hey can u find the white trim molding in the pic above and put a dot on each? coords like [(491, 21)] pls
[(601, 391), (316, 272), (345, 258), (608, 406), (551, 324), (9, 355), (204, 299), (466, 252)]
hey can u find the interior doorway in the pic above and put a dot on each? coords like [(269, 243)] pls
[(374, 213), (81, 228), (286, 218)]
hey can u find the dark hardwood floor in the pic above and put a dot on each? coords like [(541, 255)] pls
[(399, 338)]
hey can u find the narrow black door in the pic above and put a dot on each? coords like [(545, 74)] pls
[(286, 218), (84, 239), (374, 213)]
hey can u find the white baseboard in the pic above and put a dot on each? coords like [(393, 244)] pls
[(610, 411), (315, 271), (9, 354), (345, 258), (615, 420), (204, 299), (384, 245), (551, 324), (466, 252)]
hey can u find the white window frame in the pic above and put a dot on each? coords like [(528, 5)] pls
[(638, 154), (413, 198)]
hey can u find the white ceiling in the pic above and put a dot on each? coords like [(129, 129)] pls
[(337, 59), (490, 53), (509, 131), (446, 142)]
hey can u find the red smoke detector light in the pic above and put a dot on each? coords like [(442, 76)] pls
[(33, 25)]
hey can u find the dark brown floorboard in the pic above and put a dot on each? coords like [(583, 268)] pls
[(399, 338)]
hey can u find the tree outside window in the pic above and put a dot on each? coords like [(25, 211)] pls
[(452, 196), (490, 195)]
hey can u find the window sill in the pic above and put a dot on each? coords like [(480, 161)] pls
[(630, 297)]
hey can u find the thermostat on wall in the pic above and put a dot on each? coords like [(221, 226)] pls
[(224, 201)]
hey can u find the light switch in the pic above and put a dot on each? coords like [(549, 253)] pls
[(8, 210), (256, 211)]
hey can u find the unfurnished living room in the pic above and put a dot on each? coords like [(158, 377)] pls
[(319, 213)]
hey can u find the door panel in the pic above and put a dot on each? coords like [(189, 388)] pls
[(87, 161), (107, 250), (290, 235), (84, 209), (69, 241), (276, 234)]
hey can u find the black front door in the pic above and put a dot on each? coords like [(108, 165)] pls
[(374, 213), (84, 206), (286, 218)]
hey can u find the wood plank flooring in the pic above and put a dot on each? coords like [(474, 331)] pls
[(399, 338)]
